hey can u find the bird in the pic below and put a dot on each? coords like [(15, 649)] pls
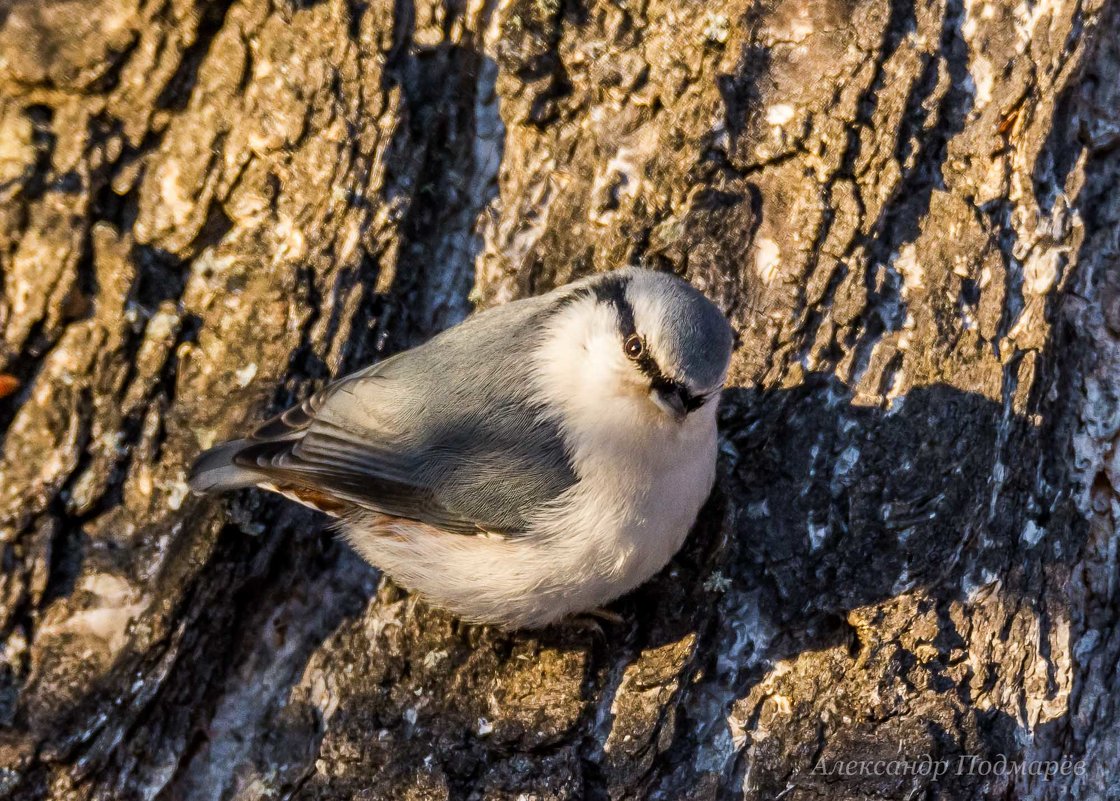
[(534, 462)]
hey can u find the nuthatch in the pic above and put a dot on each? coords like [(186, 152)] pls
[(540, 459)]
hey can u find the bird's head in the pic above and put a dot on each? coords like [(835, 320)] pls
[(639, 335)]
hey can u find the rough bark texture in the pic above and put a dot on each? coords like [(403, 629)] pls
[(909, 212)]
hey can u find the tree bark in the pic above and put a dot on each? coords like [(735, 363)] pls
[(908, 211)]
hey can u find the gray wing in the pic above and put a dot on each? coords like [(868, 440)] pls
[(445, 433)]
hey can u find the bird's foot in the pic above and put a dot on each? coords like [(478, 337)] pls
[(592, 621), (607, 616)]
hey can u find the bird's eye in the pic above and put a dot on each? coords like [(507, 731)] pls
[(633, 347)]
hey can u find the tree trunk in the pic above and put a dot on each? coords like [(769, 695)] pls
[(908, 571)]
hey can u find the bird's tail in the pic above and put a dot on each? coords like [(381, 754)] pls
[(215, 471)]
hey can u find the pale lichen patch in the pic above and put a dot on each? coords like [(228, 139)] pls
[(779, 114), (246, 374), (767, 260), (1041, 271), (909, 267)]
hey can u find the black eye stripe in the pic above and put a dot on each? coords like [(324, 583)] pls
[(612, 291), (691, 401), (648, 365)]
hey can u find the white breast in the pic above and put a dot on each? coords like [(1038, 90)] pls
[(637, 499)]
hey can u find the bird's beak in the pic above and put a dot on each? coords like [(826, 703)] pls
[(670, 401)]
